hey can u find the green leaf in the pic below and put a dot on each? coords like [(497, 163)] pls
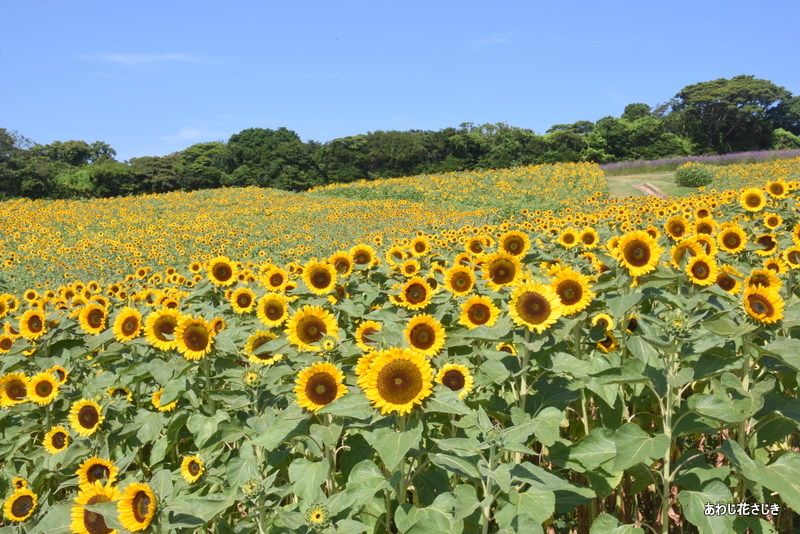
[(752, 525), (194, 512), (307, 477), (354, 405), (783, 477), (787, 350), (608, 524), (109, 512), (460, 445), (365, 481), (745, 466), (466, 501), (289, 422), (593, 450), (161, 483), (694, 505), (224, 344), (173, 390), (57, 520), (349, 526), (568, 495), (492, 372), (634, 446), (466, 466), (617, 306), (150, 425), (719, 406), (204, 427), (411, 520), (393, 445), (445, 400), (525, 512)]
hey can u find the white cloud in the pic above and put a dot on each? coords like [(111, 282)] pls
[(194, 135), (139, 59)]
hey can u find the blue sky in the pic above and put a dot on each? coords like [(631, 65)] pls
[(151, 78)]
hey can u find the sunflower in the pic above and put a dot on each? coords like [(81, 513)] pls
[(363, 256), (568, 238), (120, 391), (318, 517), (459, 280), (768, 245), (60, 373), (478, 310), (136, 506), (194, 338), (261, 357), (676, 226), (320, 277), (425, 335), (32, 324), (475, 245), (398, 379), (589, 237), (272, 309), (732, 239), (366, 335), (13, 389), (20, 506), (127, 325), (160, 328), (763, 278), (514, 243), (726, 280), (763, 304), (217, 325), (319, 385), (777, 188), (42, 388), (86, 522), (776, 265), (222, 271), (274, 279), (420, 246), (702, 270), (192, 468), (19, 483), (705, 225), (457, 378), (243, 300), (342, 263), (683, 251), (604, 320), (309, 325), (156, 401), (791, 256), (534, 305), (415, 294), (93, 318), (772, 220), (95, 469), (85, 417), (410, 267), (362, 367), (6, 342), (609, 344), (573, 290), (639, 252), (752, 199), (501, 269)]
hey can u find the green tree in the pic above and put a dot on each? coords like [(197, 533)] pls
[(580, 127), (156, 174), (199, 167), (635, 111)]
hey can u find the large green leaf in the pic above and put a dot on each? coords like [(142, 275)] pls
[(203, 427), (307, 477), (568, 495), (150, 425), (787, 350), (591, 451), (392, 445), (365, 481), (634, 446), (290, 421), (466, 466), (745, 466), (354, 405), (694, 507), (444, 400), (608, 524), (783, 476)]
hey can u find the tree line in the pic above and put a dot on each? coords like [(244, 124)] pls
[(715, 117)]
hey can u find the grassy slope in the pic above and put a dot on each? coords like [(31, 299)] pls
[(622, 186)]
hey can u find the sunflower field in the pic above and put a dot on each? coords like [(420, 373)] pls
[(249, 360)]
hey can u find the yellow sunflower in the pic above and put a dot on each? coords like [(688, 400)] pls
[(752, 199), (93, 318), (514, 243), (763, 304), (20, 506), (222, 271), (568, 238), (501, 269), (726, 280), (320, 277), (425, 335), (609, 344), (705, 225), (309, 325), (763, 278), (639, 253), (56, 439), (398, 379), (32, 324), (160, 327), (573, 290), (416, 293), (156, 400), (777, 188), (85, 417), (60, 373), (478, 310), (363, 256), (772, 220), (702, 270), (261, 357), (791, 256), (589, 237), (319, 385), (768, 245), (192, 468), (342, 263), (459, 280), (776, 265), (242, 300), (13, 389), (120, 391), (457, 378), (420, 246), (535, 306), (273, 309), (508, 348), (194, 338), (676, 226), (683, 251), (136, 506), (128, 324), (19, 483), (86, 522), (366, 335), (410, 267), (95, 469), (362, 367), (732, 239), (42, 388), (6, 342)]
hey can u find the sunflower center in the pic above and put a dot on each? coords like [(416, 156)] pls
[(568, 239), (416, 293), (311, 329), (753, 200), (454, 379), (608, 342), (341, 265), (165, 326), (759, 280), (776, 189), (700, 270), (5, 343), (244, 300), (732, 240), (793, 257), (222, 272), (362, 258), (321, 279), (633, 324), (760, 306), (322, 388), (637, 253), (194, 468), (35, 324), (130, 325), (570, 292), (502, 272), (276, 280), (95, 318), (419, 247), (59, 440), (399, 382), (22, 506), (94, 522), (44, 388), (98, 472), (676, 229), (704, 228), (88, 417), (196, 337), (479, 314), (587, 239), (366, 333), (726, 282), (461, 281), (767, 242), (533, 308), (140, 506), (476, 247), (273, 311), (422, 336)]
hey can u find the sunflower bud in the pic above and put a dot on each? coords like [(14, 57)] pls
[(252, 488), (318, 517)]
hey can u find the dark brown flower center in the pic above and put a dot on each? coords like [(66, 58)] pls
[(321, 278), (726, 282), (94, 522), (196, 337), (700, 270), (95, 318), (416, 293), (97, 472), (422, 336), (35, 324), (16, 390), (479, 314), (140, 506), (21, 506), (311, 329), (533, 308), (222, 272), (753, 200), (43, 388), (676, 229), (637, 253), (454, 379), (193, 468), (243, 300), (570, 292), (502, 271), (365, 335), (399, 382), (321, 388), (761, 306), (130, 325)]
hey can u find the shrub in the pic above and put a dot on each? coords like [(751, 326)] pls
[(693, 175)]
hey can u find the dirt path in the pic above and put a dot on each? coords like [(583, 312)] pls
[(660, 184), (649, 189)]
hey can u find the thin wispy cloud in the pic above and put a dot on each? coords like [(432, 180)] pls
[(194, 134), (492, 41), (143, 59)]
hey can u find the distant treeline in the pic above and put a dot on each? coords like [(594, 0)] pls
[(715, 117)]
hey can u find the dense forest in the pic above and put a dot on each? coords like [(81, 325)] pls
[(715, 117)]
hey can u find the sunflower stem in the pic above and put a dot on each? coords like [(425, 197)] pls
[(206, 366), (401, 485)]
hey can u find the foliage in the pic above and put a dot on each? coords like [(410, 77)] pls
[(693, 175)]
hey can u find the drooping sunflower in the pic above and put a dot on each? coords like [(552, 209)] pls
[(398, 379), (456, 377), (732, 239), (508, 348), (222, 272), (676, 226), (415, 294), (94, 469), (342, 263), (115, 392), (573, 290), (777, 188), (514, 243), (319, 385), (535, 306), (60, 373), (85, 417), (425, 334), (459, 280), (20, 506), (752, 199), (13, 389), (160, 328), (192, 468), (500, 269), (768, 245), (194, 338), (261, 357), (32, 324), (763, 304), (702, 270), (726, 280), (19, 483), (42, 388), (604, 320), (320, 277), (309, 325), (366, 335), (56, 439), (93, 318), (478, 310), (136, 506), (639, 253), (156, 401), (128, 324), (242, 300), (87, 522), (363, 256), (791, 256), (609, 344)]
